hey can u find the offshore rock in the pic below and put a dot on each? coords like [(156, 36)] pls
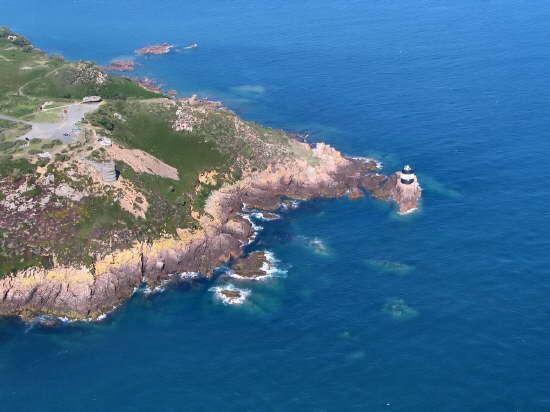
[(155, 49), (252, 266)]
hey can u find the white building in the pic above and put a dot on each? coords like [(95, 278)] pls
[(92, 99)]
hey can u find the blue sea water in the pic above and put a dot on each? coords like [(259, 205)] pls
[(459, 89)]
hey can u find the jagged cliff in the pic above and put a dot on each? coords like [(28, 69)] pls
[(84, 293)]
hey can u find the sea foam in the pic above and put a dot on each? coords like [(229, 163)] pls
[(230, 300)]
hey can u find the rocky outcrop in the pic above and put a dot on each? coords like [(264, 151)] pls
[(390, 188), (88, 73), (121, 66), (86, 293), (155, 49), (251, 267)]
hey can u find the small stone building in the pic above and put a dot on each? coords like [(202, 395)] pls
[(108, 171)]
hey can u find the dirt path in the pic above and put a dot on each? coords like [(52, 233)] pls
[(20, 90)]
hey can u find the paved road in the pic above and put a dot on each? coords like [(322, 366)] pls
[(75, 113)]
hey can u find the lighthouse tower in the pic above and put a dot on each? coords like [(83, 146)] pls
[(407, 175), (407, 190)]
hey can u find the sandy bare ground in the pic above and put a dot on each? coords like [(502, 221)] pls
[(129, 197), (143, 162)]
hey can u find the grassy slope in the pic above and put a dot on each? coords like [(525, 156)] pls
[(147, 126), (59, 85)]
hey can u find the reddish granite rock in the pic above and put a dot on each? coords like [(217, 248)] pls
[(121, 66), (155, 49), (355, 193)]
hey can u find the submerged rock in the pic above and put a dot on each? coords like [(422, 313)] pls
[(316, 245), (398, 309), (46, 321), (390, 266)]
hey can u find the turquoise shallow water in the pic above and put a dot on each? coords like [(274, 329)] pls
[(458, 89)]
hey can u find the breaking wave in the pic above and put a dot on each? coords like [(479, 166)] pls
[(230, 295)]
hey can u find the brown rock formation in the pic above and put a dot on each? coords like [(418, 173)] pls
[(250, 267), (148, 84), (121, 66)]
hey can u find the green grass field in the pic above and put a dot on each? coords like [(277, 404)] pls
[(146, 126)]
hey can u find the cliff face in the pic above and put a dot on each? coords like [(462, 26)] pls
[(84, 293)]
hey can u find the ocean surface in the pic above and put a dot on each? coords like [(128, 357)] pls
[(446, 309)]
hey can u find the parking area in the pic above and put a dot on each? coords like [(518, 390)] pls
[(66, 130)]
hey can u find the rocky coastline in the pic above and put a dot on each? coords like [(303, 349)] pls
[(84, 293)]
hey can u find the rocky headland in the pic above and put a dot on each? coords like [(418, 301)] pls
[(87, 293), (76, 242)]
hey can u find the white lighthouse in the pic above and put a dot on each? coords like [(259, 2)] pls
[(407, 190), (407, 175)]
